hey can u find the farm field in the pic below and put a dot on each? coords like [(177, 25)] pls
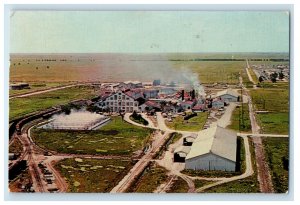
[(19, 107), (92, 175), (276, 101), (240, 117), (150, 179), (195, 123), (36, 86), (213, 71), (115, 138), (277, 155)]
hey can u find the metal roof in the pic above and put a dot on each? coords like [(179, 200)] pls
[(227, 92), (216, 140), (184, 149)]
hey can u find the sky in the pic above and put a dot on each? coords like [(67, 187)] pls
[(148, 31)]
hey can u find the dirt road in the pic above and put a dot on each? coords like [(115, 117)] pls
[(139, 167), (42, 91), (264, 176)]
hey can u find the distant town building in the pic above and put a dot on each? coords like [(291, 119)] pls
[(213, 149)]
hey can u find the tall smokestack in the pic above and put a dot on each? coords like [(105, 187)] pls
[(182, 95)]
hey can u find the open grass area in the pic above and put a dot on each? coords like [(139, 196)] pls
[(276, 101), (277, 154), (200, 183), (246, 185), (277, 85), (116, 138), (179, 186), (21, 106), (152, 177), (213, 71), (193, 124), (274, 123), (93, 175), (16, 147), (240, 120), (36, 86)]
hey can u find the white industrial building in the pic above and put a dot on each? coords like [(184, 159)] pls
[(120, 101), (228, 95), (214, 149)]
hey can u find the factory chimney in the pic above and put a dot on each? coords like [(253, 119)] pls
[(182, 95)]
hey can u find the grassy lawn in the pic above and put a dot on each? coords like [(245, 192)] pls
[(246, 185), (16, 147), (241, 166), (277, 102), (213, 71), (277, 85), (277, 154), (22, 106), (116, 138), (36, 86), (92, 175), (240, 115), (276, 123), (193, 124), (150, 179), (200, 183), (179, 186)]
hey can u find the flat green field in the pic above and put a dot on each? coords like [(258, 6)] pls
[(240, 121), (21, 106), (93, 175), (150, 179), (277, 154), (214, 71), (36, 86), (277, 102), (193, 124), (116, 138)]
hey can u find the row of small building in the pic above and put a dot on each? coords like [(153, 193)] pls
[(212, 149)]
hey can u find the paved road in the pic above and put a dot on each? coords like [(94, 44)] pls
[(261, 135), (224, 121)]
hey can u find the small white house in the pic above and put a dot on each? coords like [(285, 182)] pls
[(214, 149), (228, 95)]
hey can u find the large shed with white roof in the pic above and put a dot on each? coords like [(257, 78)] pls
[(214, 149), (228, 95)]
